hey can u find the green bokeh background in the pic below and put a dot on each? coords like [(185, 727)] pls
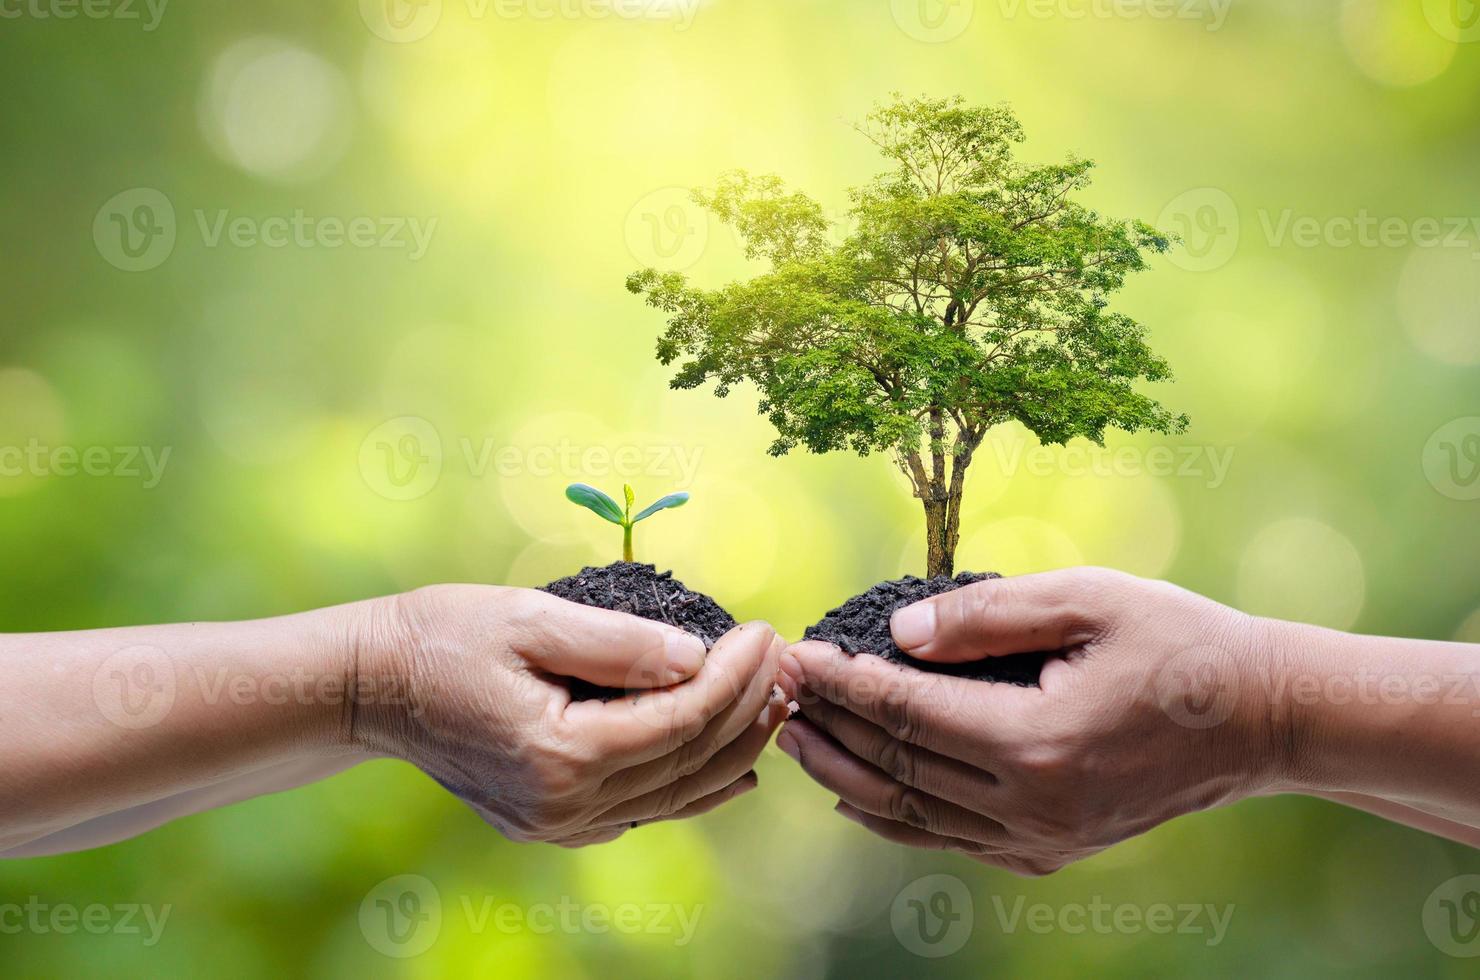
[(546, 149)]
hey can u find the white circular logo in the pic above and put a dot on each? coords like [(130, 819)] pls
[(1207, 221), (401, 21), (933, 916), (1451, 917), (667, 230), (402, 459), (135, 229), (1451, 459), (1454, 20), (1194, 690), (402, 916), (933, 21), (135, 687)]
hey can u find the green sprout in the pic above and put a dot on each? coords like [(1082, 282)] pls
[(606, 508)]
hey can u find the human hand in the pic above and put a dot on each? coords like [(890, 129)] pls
[(489, 715), (1152, 710)]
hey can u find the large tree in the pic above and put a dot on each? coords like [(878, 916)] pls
[(969, 291)]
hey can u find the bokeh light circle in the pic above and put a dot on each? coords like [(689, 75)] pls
[(1439, 303), (276, 110), (1392, 44), (1303, 570)]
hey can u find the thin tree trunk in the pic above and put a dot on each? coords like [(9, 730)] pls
[(940, 551)]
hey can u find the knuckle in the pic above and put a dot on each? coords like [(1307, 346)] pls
[(898, 718), (896, 761), (692, 759), (908, 807)]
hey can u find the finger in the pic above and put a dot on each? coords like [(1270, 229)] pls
[(609, 649), (713, 801), (757, 706), (904, 834), (729, 763), (867, 789), (706, 804), (929, 772), (591, 838), (649, 725), (943, 714), (1032, 614)]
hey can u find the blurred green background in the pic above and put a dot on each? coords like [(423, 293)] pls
[(537, 147)]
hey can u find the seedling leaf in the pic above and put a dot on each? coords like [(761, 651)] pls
[(595, 501), (670, 501)]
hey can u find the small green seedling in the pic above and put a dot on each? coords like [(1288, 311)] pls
[(606, 508)]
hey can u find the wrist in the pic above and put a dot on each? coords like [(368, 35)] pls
[(1276, 652), (377, 653)]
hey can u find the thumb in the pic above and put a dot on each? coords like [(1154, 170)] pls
[(605, 648), (1032, 614)]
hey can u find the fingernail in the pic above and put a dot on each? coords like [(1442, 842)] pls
[(787, 743), (913, 626), (685, 654), (847, 812), (791, 666)]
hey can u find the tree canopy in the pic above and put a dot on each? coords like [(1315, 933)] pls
[(971, 290)]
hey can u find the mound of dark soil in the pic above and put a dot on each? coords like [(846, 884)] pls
[(861, 625), (641, 590)]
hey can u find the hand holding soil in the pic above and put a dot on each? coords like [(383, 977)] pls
[(1158, 703), (494, 721)]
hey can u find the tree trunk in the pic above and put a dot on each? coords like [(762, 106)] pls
[(940, 541)]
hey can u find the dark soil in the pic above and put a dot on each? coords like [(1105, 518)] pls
[(641, 590), (861, 625)]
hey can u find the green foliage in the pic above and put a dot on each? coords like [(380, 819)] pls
[(607, 509), (971, 291)]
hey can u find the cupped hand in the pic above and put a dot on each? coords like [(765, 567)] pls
[(486, 710), (1151, 709)]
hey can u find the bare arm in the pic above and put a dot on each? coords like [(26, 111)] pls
[(108, 733)]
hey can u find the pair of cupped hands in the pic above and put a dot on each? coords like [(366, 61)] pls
[(1027, 779)]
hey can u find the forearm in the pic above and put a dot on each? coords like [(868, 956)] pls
[(1396, 720), (1409, 816), (123, 824), (99, 722)]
